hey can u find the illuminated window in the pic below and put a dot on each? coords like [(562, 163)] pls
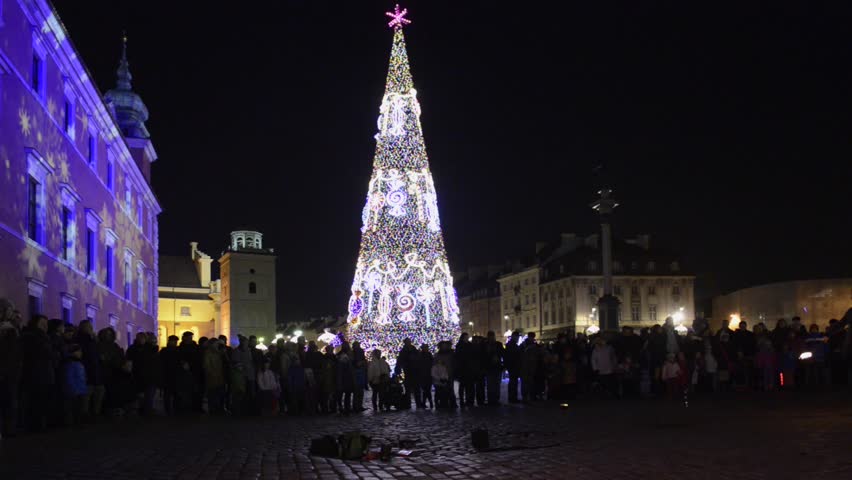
[(35, 293), (37, 72), (67, 307), (92, 156), (69, 110), (652, 313), (67, 221), (92, 314), (252, 287), (32, 208), (185, 311), (90, 251), (140, 285), (110, 240), (110, 174), (128, 276)]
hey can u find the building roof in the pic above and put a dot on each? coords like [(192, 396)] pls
[(178, 271), (184, 295)]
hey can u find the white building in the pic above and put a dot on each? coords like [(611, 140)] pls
[(560, 290)]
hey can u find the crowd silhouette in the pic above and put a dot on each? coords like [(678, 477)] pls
[(55, 374)]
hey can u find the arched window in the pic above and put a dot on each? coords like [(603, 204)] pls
[(252, 287)]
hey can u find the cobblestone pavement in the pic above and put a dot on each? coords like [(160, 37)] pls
[(755, 436)]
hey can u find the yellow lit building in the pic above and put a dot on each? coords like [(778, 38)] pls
[(188, 300)]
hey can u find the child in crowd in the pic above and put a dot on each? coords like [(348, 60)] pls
[(568, 374), (671, 376), (76, 390), (268, 388), (378, 376), (441, 379)]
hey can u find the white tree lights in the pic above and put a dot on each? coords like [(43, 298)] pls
[(402, 286)]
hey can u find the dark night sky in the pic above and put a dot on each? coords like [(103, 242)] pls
[(724, 126)]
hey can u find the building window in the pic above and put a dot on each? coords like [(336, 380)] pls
[(90, 251), (110, 267), (128, 199), (252, 288), (128, 278), (652, 313), (35, 293), (140, 211), (37, 170), (616, 290), (652, 266), (652, 290), (533, 298), (33, 188), (616, 266), (129, 330), (634, 290), (634, 313), (110, 174), (593, 289), (140, 286), (185, 312), (92, 314), (592, 266), (92, 156), (66, 245), (561, 316), (37, 72), (150, 298), (676, 290), (67, 307), (68, 117)]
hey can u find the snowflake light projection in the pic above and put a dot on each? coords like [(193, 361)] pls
[(402, 286)]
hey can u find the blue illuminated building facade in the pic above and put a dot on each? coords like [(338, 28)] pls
[(78, 218)]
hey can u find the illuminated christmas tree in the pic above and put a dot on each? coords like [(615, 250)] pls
[(402, 287)]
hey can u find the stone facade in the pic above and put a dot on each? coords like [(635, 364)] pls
[(248, 287), (560, 290), (78, 219), (814, 301)]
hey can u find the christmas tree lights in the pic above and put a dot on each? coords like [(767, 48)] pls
[(402, 286)]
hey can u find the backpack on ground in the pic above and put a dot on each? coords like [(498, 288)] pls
[(353, 445), (325, 446)]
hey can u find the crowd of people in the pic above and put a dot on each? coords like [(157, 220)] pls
[(58, 374)]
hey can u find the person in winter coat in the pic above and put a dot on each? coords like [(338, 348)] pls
[(327, 380), (345, 378), (492, 360), (531, 359), (268, 388), (443, 383), (603, 365), (671, 376), (816, 343), (378, 376), (170, 362), (143, 365), (91, 358), (406, 362), (38, 373), (75, 388), (464, 370), (446, 354), (424, 377), (190, 353), (242, 359), (313, 361), (214, 376), (11, 365), (359, 363), (512, 359)]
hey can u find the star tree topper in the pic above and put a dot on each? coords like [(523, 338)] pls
[(398, 19)]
